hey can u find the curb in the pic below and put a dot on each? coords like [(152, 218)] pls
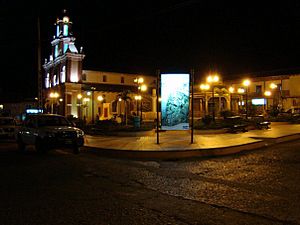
[(175, 154), (184, 154)]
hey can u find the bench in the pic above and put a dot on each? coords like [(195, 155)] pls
[(238, 127), (235, 124), (261, 123)]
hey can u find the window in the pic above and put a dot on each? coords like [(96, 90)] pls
[(47, 80), (66, 30), (69, 110), (122, 80), (258, 89), (104, 78), (83, 77), (52, 121), (57, 30), (56, 51), (114, 106), (63, 74), (54, 80), (65, 47), (69, 99)]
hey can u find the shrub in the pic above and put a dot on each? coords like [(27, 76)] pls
[(207, 119), (274, 111), (226, 113)]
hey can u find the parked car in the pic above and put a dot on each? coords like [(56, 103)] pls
[(48, 131), (293, 110), (7, 127)]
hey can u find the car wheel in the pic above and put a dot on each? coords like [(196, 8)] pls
[(39, 146), (76, 149), (21, 145)]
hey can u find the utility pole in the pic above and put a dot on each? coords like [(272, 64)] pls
[(192, 103), (39, 69), (157, 106)]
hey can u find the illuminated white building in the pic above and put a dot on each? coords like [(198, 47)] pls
[(85, 93)]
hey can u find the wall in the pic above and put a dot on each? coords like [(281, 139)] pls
[(115, 78)]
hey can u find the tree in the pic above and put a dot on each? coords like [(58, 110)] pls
[(124, 96)]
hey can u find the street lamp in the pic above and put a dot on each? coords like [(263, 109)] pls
[(212, 79), (91, 93), (204, 87), (137, 98), (267, 94), (139, 81), (241, 91), (143, 89), (53, 97), (231, 91), (246, 83), (79, 97), (274, 86), (100, 99), (85, 102), (140, 88)]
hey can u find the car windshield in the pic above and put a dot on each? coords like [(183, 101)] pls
[(52, 121), (297, 110), (6, 121)]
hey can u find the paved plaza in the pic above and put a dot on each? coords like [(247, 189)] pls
[(180, 141)]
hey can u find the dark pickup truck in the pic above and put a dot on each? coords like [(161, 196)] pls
[(260, 122), (235, 124)]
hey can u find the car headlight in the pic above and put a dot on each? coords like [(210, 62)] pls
[(80, 133), (49, 134)]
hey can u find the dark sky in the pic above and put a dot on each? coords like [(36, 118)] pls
[(140, 37)]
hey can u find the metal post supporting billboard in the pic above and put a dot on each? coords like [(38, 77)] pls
[(192, 105), (157, 106)]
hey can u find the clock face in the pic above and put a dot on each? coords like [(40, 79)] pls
[(66, 19)]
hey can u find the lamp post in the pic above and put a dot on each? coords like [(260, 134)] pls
[(204, 87), (143, 88), (139, 81), (274, 86), (231, 91), (267, 94), (246, 83), (85, 101), (212, 79), (137, 98), (53, 96), (241, 91), (100, 99), (79, 97), (93, 102)]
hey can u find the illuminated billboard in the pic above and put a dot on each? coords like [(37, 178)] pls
[(175, 91), (258, 101)]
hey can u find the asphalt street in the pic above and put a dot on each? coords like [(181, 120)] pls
[(258, 187)]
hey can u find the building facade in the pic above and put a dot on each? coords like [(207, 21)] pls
[(91, 95), (262, 94), (211, 98), (266, 92)]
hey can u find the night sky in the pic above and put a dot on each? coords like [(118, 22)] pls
[(140, 37)]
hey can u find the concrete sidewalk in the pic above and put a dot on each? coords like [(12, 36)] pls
[(176, 144)]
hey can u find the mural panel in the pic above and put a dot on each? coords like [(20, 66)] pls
[(175, 90)]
